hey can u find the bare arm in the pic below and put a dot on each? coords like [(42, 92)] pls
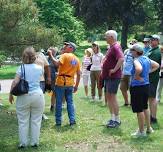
[(77, 81), (55, 61), (154, 66), (138, 70), (15, 81), (118, 65), (48, 74)]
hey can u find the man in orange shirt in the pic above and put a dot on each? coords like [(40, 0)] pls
[(68, 66)]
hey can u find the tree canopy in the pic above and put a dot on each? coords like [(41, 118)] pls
[(61, 14), (125, 12), (20, 27)]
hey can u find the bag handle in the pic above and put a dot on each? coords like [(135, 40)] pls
[(23, 70)]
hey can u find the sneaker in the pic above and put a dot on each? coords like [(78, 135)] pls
[(52, 108), (153, 120), (115, 124), (21, 146), (150, 130), (138, 134), (109, 123), (126, 104), (44, 117), (58, 125), (72, 123), (34, 146)]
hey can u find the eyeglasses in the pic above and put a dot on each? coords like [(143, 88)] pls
[(133, 50), (154, 39), (146, 42)]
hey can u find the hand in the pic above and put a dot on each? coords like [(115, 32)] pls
[(49, 52), (11, 98), (48, 81), (75, 89), (139, 78), (111, 72)]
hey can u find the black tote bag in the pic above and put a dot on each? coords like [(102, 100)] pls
[(22, 86)]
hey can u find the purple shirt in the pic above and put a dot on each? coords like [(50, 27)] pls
[(113, 54)]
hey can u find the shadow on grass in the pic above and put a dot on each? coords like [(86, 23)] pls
[(112, 131)]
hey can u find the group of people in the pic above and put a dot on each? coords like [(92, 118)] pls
[(140, 73), (30, 106)]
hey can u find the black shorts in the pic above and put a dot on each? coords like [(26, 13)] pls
[(152, 90), (139, 98)]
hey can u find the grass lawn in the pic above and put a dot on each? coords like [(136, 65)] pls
[(8, 71), (90, 133)]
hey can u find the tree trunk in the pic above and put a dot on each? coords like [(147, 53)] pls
[(124, 35)]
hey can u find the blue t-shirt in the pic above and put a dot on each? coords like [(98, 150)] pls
[(146, 67), (146, 50), (128, 62), (33, 73)]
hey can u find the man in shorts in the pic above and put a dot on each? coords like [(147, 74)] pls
[(154, 54), (111, 74)]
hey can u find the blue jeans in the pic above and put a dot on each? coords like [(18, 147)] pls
[(60, 92)]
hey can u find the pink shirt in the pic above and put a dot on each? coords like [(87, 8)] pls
[(113, 54)]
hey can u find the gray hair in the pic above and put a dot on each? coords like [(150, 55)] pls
[(112, 33)]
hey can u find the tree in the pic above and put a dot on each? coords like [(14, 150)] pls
[(159, 7), (20, 27), (61, 14), (127, 13)]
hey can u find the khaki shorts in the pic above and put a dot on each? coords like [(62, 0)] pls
[(125, 82)]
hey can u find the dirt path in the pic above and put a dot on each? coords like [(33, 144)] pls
[(5, 85)]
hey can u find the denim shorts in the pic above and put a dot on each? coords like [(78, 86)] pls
[(111, 85)]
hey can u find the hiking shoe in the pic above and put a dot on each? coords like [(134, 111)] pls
[(21, 146), (126, 104), (58, 125), (110, 122), (150, 130), (115, 124), (153, 120), (34, 146), (52, 108), (138, 134), (72, 123)]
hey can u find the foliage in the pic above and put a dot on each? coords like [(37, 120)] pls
[(159, 8), (124, 13), (20, 27), (60, 14), (2, 58)]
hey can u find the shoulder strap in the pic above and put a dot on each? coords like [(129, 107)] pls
[(23, 70)]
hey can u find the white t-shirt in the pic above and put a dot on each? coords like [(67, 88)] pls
[(97, 61), (42, 61)]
